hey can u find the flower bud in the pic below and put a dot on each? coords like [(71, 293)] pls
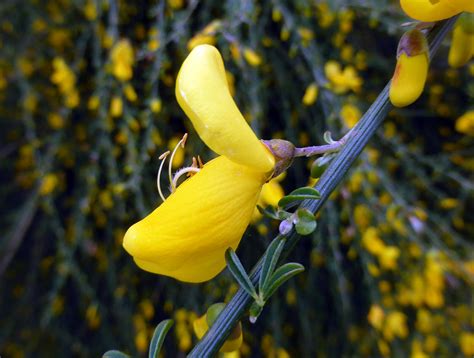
[(462, 44), (411, 71)]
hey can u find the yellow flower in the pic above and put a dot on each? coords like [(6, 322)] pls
[(462, 44), (252, 57), (122, 60), (466, 341), (376, 316), (342, 81), (310, 95), (465, 123), (395, 325), (350, 115), (186, 237), (411, 71), (429, 10), (372, 242)]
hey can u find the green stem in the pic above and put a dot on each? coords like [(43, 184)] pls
[(332, 177)]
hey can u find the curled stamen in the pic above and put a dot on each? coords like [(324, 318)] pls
[(181, 143), (180, 172), (163, 160)]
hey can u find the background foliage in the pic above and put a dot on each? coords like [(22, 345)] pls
[(86, 107)]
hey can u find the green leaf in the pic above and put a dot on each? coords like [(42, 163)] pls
[(269, 211), (115, 354), (273, 213), (158, 337), (299, 195), (319, 165), (270, 260), (237, 270), (255, 310), (280, 276), (305, 222)]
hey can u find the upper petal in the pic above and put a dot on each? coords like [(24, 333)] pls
[(186, 237), (203, 93), (427, 10)]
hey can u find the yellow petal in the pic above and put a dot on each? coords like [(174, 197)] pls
[(461, 47), (409, 79), (203, 93), (429, 10), (186, 237)]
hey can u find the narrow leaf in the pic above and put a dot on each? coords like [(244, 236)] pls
[(237, 270), (255, 310), (158, 337), (280, 276), (270, 260), (115, 354), (299, 195), (305, 223), (269, 211)]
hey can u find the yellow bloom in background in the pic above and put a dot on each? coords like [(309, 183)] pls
[(376, 316), (186, 237), (48, 184), (429, 10), (122, 58), (252, 57), (342, 80), (311, 94), (395, 326), (388, 257), (116, 106), (350, 115), (466, 341), (372, 242), (465, 123)]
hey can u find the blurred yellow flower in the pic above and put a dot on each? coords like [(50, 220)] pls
[(48, 184), (122, 58), (116, 106), (252, 57), (65, 79), (311, 94), (186, 237), (372, 242), (395, 326), (465, 123), (376, 316), (466, 341), (342, 80), (350, 115)]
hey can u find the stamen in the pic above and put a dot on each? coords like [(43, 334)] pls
[(201, 164), (181, 143), (163, 160), (180, 172)]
